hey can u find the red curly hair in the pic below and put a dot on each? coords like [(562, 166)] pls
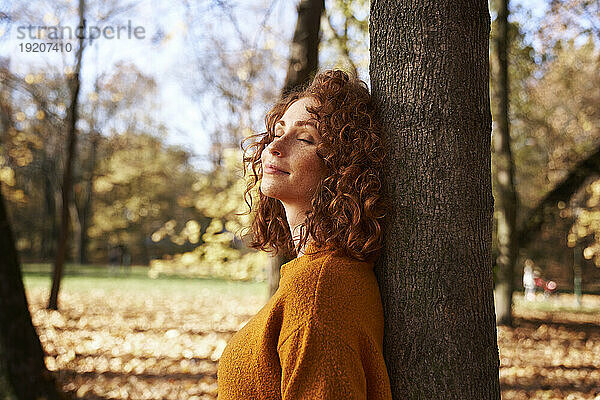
[(347, 206)]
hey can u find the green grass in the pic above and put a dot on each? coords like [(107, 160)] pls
[(45, 269), (79, 278), (88, 277)]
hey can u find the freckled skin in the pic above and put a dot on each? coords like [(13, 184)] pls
[(290, 153)]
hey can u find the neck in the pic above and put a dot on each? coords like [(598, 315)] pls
[(296, 215)]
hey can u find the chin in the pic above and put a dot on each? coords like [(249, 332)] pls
[(272, 191)]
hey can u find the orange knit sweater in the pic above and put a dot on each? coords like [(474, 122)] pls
[(320, 336)]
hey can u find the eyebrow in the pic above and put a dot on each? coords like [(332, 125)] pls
[(298, 123)]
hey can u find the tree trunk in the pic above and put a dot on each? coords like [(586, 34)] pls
[(61, 251), (304, 51), (507, 203), (23, 373), (76, 229), (6, 390), (304, 61), (50, 228), (86, 209), (429, 72)]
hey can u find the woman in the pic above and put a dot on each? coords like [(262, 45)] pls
[(320, 336)]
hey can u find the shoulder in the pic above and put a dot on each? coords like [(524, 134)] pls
[(346, 288), (327, 265), (336, 291), (338, 269), (328, 275)]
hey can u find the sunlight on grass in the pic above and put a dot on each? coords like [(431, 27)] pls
[(590, 304), (85, 278)]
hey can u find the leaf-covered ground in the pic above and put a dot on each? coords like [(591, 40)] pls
[(553, 352), (131, 342)]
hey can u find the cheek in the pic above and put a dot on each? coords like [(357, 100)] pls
[(315, 171), (320, 167), (312, 164)]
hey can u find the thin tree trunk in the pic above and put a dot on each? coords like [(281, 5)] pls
[(507, 203), (61, 252), (145, 250), (429, 73), (50, 228), (76, 228), (89, 183), (86, 210), (304, 51), (304, 61), (23, 373)]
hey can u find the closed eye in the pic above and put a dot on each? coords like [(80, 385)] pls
[(302, 140)]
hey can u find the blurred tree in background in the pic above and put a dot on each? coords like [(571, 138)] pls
[(553, 162), (218, 196)]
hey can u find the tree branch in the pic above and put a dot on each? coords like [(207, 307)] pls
[(562, 192)]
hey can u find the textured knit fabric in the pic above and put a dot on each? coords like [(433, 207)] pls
[(320, 336)]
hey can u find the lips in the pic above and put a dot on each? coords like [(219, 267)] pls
[(272, 168)]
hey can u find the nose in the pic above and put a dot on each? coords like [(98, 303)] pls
[(276, 146), (274, 151)]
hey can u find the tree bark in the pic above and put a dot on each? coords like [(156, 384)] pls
[(429, 72), (304, 62), (61, 251), (507, 202), (23, 373)]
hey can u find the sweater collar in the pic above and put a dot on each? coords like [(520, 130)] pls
[(312, 251)]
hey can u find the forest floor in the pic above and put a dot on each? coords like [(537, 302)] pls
[(137, 338)]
